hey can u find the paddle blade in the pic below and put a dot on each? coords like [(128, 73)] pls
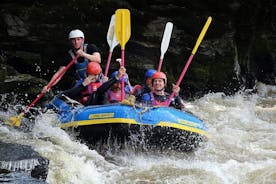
[(166, 38), (111, 38), (15, 120), (202, 34), (122, 26)]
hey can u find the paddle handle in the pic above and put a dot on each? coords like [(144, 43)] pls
[(108, 63), (50, 85)]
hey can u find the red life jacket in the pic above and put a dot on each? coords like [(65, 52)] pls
[(90, 89), (158, 103), (113, 97)]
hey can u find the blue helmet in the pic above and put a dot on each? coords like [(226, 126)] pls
[(149, 73), (114, 74)]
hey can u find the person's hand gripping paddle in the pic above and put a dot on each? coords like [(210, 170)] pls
[(16, 120)]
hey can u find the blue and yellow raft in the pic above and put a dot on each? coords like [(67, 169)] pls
[(154, 127)]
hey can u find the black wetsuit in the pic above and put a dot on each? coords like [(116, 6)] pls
[(96, 98)]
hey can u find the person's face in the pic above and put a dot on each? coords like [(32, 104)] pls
[(158, 84), (149, 82), (116, 86), (77, 42), (93, 78)]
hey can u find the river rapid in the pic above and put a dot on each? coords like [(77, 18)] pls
[(241, 147)]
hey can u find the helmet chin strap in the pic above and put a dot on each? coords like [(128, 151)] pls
[(82, 45), (160, 90)]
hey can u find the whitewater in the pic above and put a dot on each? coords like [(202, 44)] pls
[(241, 147)]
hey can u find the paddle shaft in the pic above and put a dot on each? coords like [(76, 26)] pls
[(160, 65), (50, 85), (108, 63), (181, 76), (123, 81), (199, 40), (123, 57)]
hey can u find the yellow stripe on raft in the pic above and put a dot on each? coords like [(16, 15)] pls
[(183, 127), (98, 121), (132, 121)]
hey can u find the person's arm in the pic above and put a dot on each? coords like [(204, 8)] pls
[(177, 102), (96, 57), (99, 97), (92, 53), (105, 86), (75, 92)]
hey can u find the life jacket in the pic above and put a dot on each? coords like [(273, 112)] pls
[(156, 102), (89, 90), (113, 97), (80, 66)]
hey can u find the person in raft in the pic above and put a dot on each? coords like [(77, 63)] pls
[(158, 96), (92, 90), (114, 93), (86, 52), (139, 90)]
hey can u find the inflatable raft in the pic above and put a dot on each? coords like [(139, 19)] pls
[(151, 127)]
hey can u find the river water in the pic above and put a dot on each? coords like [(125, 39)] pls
[(241, 147)]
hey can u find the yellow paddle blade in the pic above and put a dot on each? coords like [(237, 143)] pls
[(15, 120), (201, 35), (122, 26)]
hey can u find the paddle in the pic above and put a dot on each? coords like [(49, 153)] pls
[(112, 42), (165, 43), (203, 31), (16, 120), (122, 30)]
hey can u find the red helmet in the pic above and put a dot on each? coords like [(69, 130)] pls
[(159, 75), (93, 68)]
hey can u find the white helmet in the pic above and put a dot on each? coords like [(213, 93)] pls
[(76, 33)]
